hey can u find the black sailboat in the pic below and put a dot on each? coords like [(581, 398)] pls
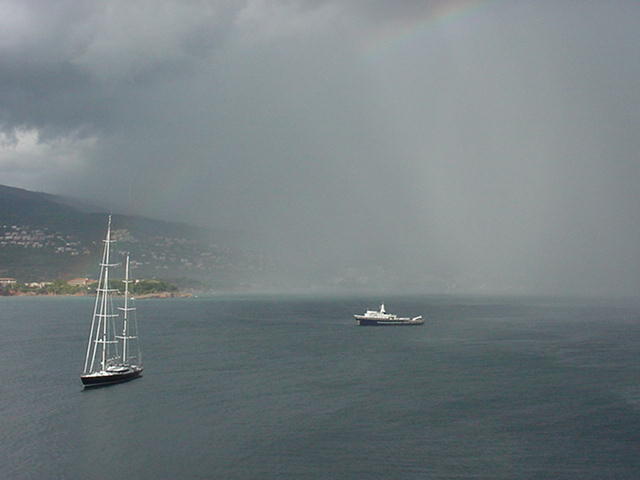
[(111, 358)]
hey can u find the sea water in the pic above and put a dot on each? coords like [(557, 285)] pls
[(290, 388)]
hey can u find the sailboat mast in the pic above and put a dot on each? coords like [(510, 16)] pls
[(104, 309), (92, 345), (125, 312), (125, 317)]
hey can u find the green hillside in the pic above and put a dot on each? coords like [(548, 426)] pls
[(45, 237)]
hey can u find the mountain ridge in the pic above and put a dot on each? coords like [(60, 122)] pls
[(45, 236)]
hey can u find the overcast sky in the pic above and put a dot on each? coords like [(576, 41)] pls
[(430, 145)]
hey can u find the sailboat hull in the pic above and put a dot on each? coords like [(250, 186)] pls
[(108, 378)]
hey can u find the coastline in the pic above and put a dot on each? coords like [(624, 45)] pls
[(164, 295), (82, 294)]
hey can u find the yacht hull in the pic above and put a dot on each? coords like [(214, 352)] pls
[(373, 322), (110, 378)]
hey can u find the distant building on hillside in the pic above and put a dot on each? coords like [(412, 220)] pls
[(7, 281), (38, 284), (79, 282)]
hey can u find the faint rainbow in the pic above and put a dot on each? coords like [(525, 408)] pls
[(398, 33)]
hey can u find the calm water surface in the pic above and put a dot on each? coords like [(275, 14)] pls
[(289, 388)]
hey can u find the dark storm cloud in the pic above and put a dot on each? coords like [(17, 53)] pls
[(485, 146), (64, 64), (67, 65)]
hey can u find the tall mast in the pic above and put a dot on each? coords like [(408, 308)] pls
[(102, 310), (104, 307), (125, 314), (91, 345)]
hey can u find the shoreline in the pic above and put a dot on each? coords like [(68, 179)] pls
[(143, 296)]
